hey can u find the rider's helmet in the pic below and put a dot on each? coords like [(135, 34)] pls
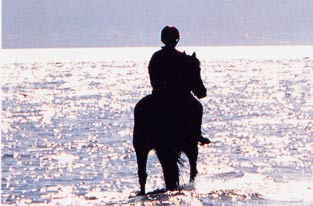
[(170, 36)]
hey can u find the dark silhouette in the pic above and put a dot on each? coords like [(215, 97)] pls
[(169, 72), (169, 120)]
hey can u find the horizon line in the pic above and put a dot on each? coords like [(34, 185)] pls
[(159, 46)]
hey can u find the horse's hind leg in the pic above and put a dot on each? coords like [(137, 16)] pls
[(192, 155)]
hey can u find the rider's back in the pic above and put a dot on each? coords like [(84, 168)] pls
[(169, 73)]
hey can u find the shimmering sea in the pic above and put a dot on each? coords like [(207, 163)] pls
[(67, 121)]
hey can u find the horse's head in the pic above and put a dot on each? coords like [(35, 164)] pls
[(195, 60), (197, 86)]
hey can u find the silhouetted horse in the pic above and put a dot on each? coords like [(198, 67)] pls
[(168, 128)]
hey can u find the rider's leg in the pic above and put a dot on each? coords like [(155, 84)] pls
[(195, 113)]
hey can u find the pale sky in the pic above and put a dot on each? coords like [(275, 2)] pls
[(106, 23)]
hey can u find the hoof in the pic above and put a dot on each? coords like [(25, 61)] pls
[(157, 191), (140, 193)]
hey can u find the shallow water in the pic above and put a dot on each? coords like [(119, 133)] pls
[(67, 134)]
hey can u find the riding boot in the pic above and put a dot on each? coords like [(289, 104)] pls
[(203, 140)]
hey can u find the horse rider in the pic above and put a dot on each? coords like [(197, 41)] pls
[(168, 80)]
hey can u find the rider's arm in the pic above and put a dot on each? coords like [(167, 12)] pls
[(155, 74)]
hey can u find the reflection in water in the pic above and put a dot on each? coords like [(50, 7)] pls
[(67, 134)]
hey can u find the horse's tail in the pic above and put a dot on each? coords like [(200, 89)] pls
[(170, 158)]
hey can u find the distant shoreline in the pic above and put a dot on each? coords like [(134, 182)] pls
[(157, 46), (144, 53)]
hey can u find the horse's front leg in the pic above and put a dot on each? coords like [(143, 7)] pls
[(142, 157), (192, 155)]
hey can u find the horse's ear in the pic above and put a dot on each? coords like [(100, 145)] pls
[(194, 54)]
